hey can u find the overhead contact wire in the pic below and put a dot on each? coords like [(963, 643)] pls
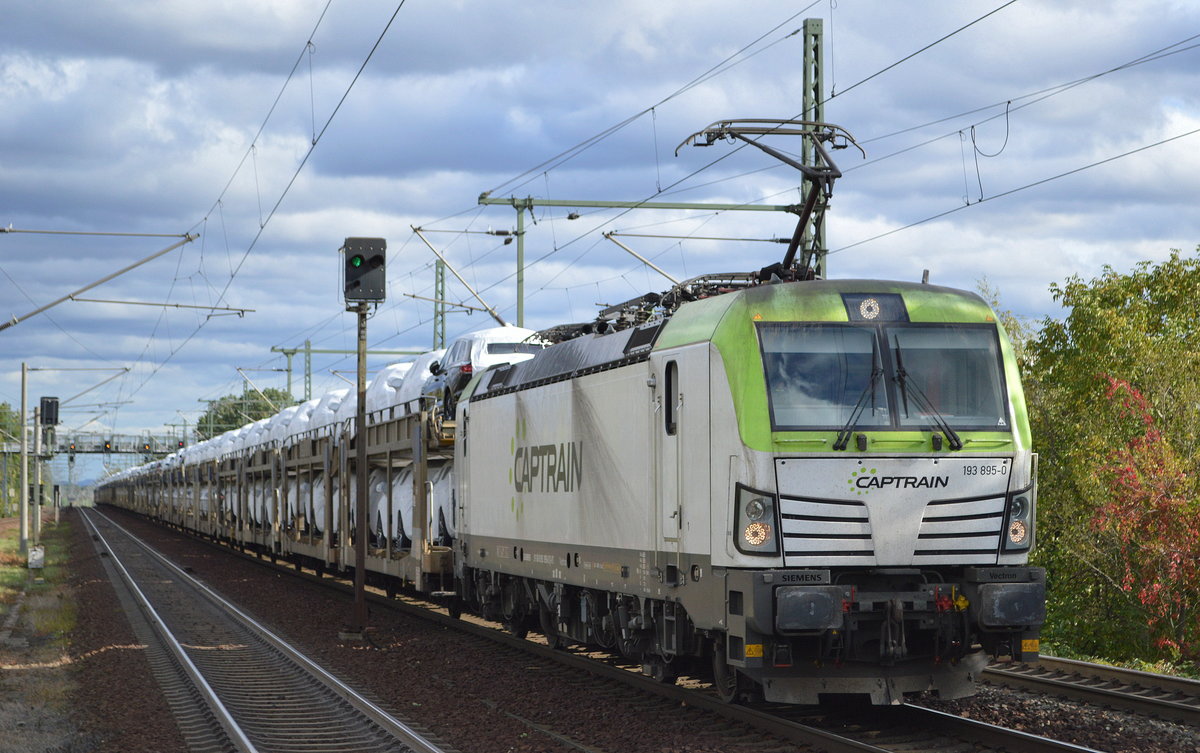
[(1019, 189), (286, 189)]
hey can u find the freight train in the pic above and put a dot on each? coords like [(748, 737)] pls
[(812, 488), (803, 488)]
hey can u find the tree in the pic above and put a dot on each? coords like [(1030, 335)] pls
[(232, 411), (10, 471), (1152, 513), (1140, 330), (1020, 332)]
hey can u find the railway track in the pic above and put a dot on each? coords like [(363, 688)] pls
[(232, 683), (1162, 696), (862, 730)]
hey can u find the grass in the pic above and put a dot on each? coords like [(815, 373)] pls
[(36, 681), (13, 574), (48, 607)]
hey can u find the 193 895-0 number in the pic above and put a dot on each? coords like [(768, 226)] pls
[(986, 469)]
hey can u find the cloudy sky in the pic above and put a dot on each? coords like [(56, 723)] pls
[(1043, 140)]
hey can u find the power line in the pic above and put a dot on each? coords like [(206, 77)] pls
[(1048, 92), (715, 70), (316, 139), (568, 154), (270, 110), (1018, 189), (51, 319), (217, 204), (312, 147), (591, 141), (918, 52), (481, 259), (737, 148)]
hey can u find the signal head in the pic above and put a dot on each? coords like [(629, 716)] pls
[(365, 269)]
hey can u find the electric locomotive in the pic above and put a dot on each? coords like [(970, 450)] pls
[(822, 487)]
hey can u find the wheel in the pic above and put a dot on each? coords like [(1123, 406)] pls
[(516, 616), (554, 639), (660, 670), (726, 679), (454, 605), (517, 626), (515, 611)]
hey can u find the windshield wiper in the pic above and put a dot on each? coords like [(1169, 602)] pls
[(843, 436), (935, 418)]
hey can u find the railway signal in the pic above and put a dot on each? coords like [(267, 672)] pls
[(365, 269), (365, 281), (49, 411)]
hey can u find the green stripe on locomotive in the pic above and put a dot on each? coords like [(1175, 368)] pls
[(728, 321)]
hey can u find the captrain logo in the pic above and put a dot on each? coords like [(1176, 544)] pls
[(518, 433), (864, 480), (546, 468)]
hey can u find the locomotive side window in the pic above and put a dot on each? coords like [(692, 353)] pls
[(817, 373), (958, 370), (671, 398)]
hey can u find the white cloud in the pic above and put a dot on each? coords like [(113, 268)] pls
[(141, 125)]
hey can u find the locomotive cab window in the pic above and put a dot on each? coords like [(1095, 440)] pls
[(956, 368), (824, 376), (818, 373)]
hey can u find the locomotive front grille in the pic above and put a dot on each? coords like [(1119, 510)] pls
[(835, 532), (840, 532), (960, 531), (892, 511)]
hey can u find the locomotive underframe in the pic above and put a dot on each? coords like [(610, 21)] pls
[(793, 635), (881, 632)]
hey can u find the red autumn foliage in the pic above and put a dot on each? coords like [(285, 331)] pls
[(1153, 514)]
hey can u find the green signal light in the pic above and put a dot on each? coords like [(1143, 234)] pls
[(357, 260)]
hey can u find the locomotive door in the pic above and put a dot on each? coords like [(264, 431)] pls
[(669, 423), (681, 463)]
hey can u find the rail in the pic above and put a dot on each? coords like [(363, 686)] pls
[(1163, 696), (305, 702), (879, 730)]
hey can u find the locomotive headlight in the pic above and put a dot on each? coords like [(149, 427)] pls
[(755, 522), (1018, 534), (1020, 506), (756, 534), (755, 509)]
